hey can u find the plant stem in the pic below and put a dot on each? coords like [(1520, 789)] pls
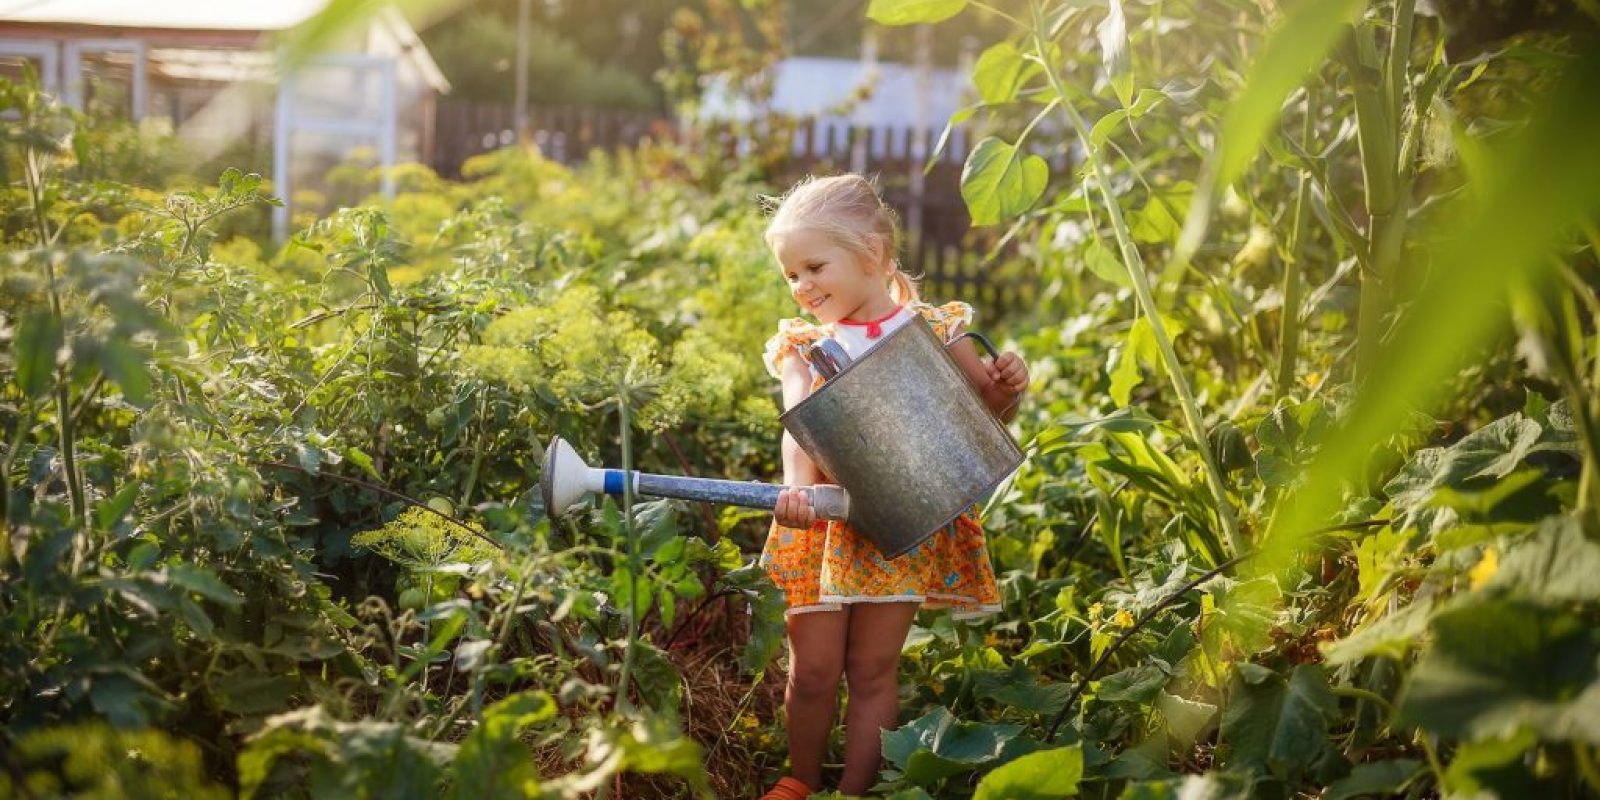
[(1289, 329), (1132, 261), (624, 703), (1379, 93), (1433, 758), (1363, 694), (1586, 766)]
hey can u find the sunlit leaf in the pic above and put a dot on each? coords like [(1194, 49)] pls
[(1035, 776), (911, 12), (999, 182), (492, 762)]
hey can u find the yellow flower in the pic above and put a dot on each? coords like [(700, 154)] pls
[(1123, 618), (1095, 611), (1485, 569)]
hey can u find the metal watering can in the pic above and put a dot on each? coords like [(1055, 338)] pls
[(905, 434), (907, 438)]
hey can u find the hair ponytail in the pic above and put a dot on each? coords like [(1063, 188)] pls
[(901, 287)]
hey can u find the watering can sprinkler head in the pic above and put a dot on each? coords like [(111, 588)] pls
[(567, 479)]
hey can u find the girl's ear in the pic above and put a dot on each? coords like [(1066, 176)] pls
[(880, 259)]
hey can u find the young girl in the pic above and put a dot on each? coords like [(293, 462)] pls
[(849, 609)]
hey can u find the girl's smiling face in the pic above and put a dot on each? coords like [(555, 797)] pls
[(828, 280)]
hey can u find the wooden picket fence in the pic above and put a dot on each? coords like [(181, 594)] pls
[(946, 252)]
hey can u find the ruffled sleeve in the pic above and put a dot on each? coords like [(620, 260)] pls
[(792, 333), (946, 317)]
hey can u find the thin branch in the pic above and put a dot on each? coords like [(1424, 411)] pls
[(387, 492), (1129, 633)]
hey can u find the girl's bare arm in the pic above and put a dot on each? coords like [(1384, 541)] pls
[(794, 508), (798, 468), (996, 395)]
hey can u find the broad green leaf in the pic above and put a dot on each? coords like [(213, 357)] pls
[(1138, 684), (767, 604), (1392, 635), (125, 366), (656, 678), (1557, 564), (1296, 46), (1472, 759), (1160, 220), (653, 744), (1035, 776), (246, 691), (1019, 688), (1281, 726), (937, 745), (1107, 125), (37, 344), (1375, 779), (1000, 72), (364, 759), (111, 511), (911, 12), (204, 582), (1186, 719), (1145, 760), (1492, 451), (1140, 347), (999, 182), (493, 763), (1105, 265), (1497, 666)]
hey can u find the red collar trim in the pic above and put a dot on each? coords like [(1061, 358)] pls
[(874, 327)]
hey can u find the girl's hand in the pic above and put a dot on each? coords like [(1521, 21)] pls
[(1009, 373), (794, 509)]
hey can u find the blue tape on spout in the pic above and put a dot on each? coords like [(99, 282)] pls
[(614, 481)]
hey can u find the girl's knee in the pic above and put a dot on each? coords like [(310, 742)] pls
[(866, 672), (814, 679)]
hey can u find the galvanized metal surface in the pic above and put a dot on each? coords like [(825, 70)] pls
[(907, 436)]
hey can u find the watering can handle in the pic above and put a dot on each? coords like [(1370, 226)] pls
[(980, 339)]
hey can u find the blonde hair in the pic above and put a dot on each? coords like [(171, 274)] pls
[(848, 210)]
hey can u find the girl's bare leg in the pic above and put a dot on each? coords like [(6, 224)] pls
[(816, 660), (872, 673)]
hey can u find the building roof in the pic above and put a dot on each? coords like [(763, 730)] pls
[(236, 17), (239, 15)]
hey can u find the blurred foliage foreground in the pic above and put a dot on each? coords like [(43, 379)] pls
[(1310, 508)]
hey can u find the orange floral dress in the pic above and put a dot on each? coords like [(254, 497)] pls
[(823, 567)]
